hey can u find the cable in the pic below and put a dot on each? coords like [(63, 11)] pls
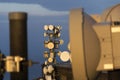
[(111, 11)]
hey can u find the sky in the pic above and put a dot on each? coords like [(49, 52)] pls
[(40, 13), (55, 6), (32, 9)]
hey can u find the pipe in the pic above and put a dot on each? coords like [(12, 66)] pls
[(18, 42)]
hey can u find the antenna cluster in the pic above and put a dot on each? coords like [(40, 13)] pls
[(52, 34)]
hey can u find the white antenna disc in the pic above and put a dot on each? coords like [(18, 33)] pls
[(65, 56)]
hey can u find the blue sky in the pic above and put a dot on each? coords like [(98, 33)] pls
[(32, 9), (91, 6), (40, 13)]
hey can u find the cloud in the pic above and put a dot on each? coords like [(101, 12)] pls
[(31, 9)]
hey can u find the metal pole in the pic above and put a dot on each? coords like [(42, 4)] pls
[(18, 42)]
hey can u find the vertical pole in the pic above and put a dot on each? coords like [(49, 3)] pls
[(18, 41)]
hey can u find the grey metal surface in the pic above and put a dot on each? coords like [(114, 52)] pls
[(76, 45), (85, 47), (111, 14), (104, 34)]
